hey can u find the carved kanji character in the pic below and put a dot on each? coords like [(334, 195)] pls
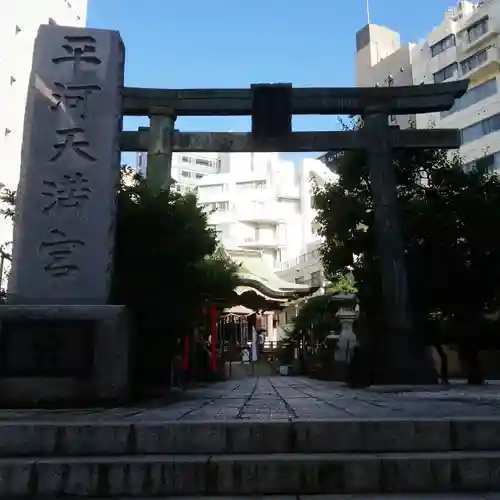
[(71, 141), (60, 251), (73, 97), (71, 191), (78, 50)]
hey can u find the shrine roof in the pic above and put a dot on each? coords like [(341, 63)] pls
[(254, 274)]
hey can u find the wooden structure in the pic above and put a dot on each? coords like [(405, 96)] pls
[(271, 107)]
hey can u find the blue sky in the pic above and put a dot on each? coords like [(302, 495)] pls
[(233, 43)]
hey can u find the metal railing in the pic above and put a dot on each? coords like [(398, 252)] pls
[(312, 281), (301, 259), (270, 345)]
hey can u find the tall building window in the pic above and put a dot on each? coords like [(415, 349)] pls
[(445, 73), (204, 162), (282, 255), (473, 96), (490, 162), (443, 45), (316, 278), (213, 189), (251, 185), (480, 129), (477, 30), (474, 61), (222, 206)]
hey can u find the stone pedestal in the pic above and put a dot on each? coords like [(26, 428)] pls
[(347, 339), (71, 353)]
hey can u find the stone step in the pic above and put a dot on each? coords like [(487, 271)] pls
[(292, 474), (396, 496), (101, 437)]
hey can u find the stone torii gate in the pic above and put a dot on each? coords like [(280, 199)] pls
[(271, 107), (59, 336)]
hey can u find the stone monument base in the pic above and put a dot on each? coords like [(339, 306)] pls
[(63, 353)]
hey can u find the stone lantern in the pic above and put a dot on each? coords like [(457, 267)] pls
[(347, 314)]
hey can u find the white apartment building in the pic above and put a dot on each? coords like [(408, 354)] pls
[(19, 22), (264, 203), (465, 45), (306, 268), (187, 168)]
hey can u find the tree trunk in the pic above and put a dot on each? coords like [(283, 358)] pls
[(444, 363), (469, 357), (402, 358), (469, 348)]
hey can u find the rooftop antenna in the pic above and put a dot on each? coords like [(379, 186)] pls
[(368, 11)]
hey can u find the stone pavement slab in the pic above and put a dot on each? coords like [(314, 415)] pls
[(443, 496), (294, 398)]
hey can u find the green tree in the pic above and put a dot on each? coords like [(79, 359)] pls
[(7, 202), (316, 318), (452, 253), (165, 270), (342, 282)]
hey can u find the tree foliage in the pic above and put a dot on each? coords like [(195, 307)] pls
[(164, 259), (342, 282), (7, 202), (317, 316), (448, 218)]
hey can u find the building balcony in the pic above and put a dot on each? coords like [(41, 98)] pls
[(487, 62), (270, 214), (248, 196), (301, 260), (220, 217), (204, 197), (256, 242), (467, 48), (288, 192)]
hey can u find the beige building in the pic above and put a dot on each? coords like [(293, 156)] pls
[(465, 45)]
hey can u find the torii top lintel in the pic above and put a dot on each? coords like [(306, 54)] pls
[(313, 101)]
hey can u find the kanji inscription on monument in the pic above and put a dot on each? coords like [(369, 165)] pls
[(66, 199)]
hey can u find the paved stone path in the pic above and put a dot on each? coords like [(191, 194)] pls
[(453, 496), (471, 496), (291, 398)]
